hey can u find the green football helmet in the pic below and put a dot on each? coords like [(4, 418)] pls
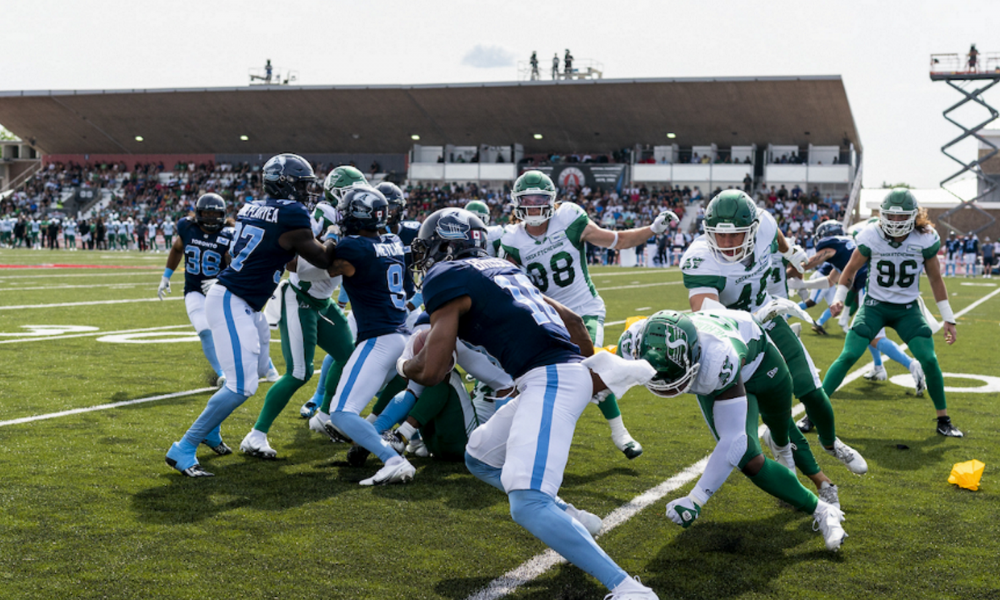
[(339, 181), (732, 211), (669, 342), (479, 208), (534, 189), (899, 202)]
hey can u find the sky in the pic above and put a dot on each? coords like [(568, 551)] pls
[(880, 49)]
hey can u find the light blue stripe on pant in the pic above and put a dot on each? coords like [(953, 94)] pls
[(545, 428), (234, 340), (355, 371)]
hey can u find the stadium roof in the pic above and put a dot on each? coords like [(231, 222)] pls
[(571, 116)]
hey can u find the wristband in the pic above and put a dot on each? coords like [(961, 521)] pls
[(615, 243), (168, 272), (841, 294), (417, 299), (944, 307), (400, 366)]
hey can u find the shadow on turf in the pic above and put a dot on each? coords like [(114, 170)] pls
[(884, 452)]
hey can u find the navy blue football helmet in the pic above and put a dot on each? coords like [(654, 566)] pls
[(288, 177), (210, 213), (364, 208), (448, 234), (828, 229), (394, 196)]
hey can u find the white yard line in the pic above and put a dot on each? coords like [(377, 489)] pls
[(77, 411), (641, 285), (645, 271), (74, 287), (540, 563), (91, 303), (97, 273), (88, 334)]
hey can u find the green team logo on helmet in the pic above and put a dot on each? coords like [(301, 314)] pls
[(732, 212), (898, 213), (479, 208), (339, 181), (669, 342), (534, 189)]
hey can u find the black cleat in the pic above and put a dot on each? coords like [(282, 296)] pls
[(945, 428), (804, 425), (222, 449), (195, 470), (819, 329), (357, 456)]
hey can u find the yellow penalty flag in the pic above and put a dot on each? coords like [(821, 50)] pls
[(967, 474)]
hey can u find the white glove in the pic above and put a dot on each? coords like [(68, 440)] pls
[(164, 287), (408, 352), (619, 374), (797, 257), (207, 285), (781, 306), (683, 511), (794, 283), (663, 221)]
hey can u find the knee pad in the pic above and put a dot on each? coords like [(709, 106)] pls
[(737, 448)]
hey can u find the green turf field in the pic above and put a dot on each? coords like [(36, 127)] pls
[(90, 509)]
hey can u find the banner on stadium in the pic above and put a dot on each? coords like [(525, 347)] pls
[(607, 177)]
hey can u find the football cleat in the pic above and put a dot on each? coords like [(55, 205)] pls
[(181, 456), (214, 441), (781, 454), (336, 436), (945, 428), (827, 520), (255, 444), (829, 493), (308, 409), (629, 447), (850, 457), (417, 447), (272, 375), (631, 589), (919, 381), (819, 329), (876, 374), (318, 423), (804, 424), (398, 472), (395, 441), (357, 456)]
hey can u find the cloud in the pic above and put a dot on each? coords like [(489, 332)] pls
[(488, 57)]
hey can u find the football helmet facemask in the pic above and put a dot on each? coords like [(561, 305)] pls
[(534, 190), (669, 342), (288, 177), (732, 212), (210, 213), (448, 234), (479, 208), (899, 203)]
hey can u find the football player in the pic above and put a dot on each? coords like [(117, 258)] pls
[(897, 249), (728, 268), (549, 244), (523, 448), (69, 233), (494, 232), (953, 250), (168, 229), (204, 245), (728, 362), (268, 234), (372, 265)]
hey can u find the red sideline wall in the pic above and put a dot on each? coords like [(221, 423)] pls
[(169, 160)]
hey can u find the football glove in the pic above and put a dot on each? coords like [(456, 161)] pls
[(663, 221), (683, 511), (794, 283), (207, 285), (164, 287), (797, 257), (781, 306)]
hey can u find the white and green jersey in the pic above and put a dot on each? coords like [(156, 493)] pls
[(494, 233), (557, 262), (732, 347), (740, 285), (168, 228), (894, 269), (36, 226), (6, 225), (314, 281), (777, 281), (69, 227), (324, 215)]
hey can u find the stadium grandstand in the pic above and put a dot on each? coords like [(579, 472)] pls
[(623, 149)]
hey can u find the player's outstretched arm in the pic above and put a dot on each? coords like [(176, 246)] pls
[(303, 243), (933, 268), (436, 359), (578, 333), (629, 238)]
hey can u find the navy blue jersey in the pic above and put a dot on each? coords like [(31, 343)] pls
[(258, 260), (408, 230), (843, 247), (825, 269), (376, 288), (953, 247), (203, 253), (971, 246), (509, 317)]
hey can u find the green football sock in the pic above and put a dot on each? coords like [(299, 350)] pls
[(820, 412), (778, 424), (609, 407), (854, 347), (923, 350), (276, 400), (804, 459), (781, 483), (332, 381)]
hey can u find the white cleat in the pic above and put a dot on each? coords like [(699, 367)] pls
[(782, 454), (272, 375), (827, 520), (828, 493), (396, 472), (850, 457), (631, 589), (876, 374), (919, 381), (629, 447), (255, 444), (418, 448)]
